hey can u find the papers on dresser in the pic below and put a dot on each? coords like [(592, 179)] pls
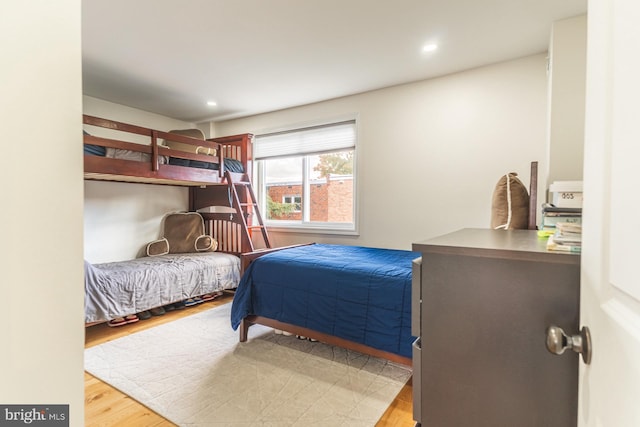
[(566, 238)]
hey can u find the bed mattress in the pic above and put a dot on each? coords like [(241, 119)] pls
[(231, 165)]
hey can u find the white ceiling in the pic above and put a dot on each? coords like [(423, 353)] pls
[(252, 56)]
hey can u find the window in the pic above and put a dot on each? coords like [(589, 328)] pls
[(305, 177), (296, 201)]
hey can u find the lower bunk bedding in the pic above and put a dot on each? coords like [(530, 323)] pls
[(117, 289), (357, 294)]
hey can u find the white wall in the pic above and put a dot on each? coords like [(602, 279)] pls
[(567, 80), (429, 153), (120, 218), (41, 272)]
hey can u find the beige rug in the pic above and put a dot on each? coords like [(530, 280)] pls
[(195, 373)]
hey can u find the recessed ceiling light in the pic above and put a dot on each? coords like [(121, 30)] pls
[(212, 103), (429, 47)]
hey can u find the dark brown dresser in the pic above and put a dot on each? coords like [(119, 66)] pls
[(483, 300)]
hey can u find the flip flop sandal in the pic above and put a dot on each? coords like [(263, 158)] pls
[(207, 297), (118, 321), (132, 318), (144, 315), (192, 301), (178, 305), (158, 311)]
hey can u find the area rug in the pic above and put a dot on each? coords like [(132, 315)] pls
[(194, 372)]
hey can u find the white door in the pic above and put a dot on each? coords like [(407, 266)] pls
[(610, 299)]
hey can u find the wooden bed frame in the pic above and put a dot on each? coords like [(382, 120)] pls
[(206, 187), (325, 338), (533, 197), (237, 147)]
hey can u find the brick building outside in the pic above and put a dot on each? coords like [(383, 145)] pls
[(331, 199)]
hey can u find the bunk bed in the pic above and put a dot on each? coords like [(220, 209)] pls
[(117, 151), (141, 155)]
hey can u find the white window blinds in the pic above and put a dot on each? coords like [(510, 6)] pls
[(312, 140)]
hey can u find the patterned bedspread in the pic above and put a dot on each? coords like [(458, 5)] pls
[(117, 289)]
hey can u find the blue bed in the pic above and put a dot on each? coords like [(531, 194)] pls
[(360, 295)]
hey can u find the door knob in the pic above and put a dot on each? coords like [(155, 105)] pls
[(558, 341)]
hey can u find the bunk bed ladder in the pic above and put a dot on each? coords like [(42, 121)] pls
[(246, 203)]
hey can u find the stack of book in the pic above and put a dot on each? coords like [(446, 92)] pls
[(552, 215), (566, 238)]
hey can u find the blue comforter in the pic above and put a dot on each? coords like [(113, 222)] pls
[(356, 293)]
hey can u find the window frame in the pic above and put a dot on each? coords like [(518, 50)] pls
[(305, 225)]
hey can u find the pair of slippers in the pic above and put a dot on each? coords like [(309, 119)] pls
[(211, 296), (202, 298), (288, 334), (121, 321), (193, 301), (133, 318), (158, 311), (174, 306)]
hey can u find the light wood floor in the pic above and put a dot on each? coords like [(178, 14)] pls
[(106, 406)]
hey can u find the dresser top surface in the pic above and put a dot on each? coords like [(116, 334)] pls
[(514, 244)]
